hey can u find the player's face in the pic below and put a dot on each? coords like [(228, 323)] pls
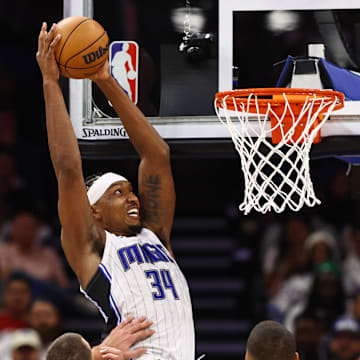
[(17, 296), (119, 209), (26, 353), (345, 345), (44, 318)]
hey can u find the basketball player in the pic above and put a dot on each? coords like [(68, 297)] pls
[(118, 244), (269, 340)]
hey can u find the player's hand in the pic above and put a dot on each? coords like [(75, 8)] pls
[(102, 74), (109, 353), (125, 335), (45, 55)]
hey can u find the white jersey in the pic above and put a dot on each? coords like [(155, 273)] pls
[(136, 277)]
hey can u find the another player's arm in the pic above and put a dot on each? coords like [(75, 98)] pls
[(156, 185), (126, 335), (78, 228)]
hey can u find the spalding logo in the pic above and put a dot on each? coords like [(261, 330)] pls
[(95, 55)]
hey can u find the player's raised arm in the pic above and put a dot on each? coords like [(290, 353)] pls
[(156, 185), (78, 228)]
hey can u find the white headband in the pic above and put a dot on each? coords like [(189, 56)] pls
[(98, 188)]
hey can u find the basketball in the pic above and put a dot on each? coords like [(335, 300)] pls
[(83, 47)]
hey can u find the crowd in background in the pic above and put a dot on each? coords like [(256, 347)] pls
[(38, 291), (306, 266)]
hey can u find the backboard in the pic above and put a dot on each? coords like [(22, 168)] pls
[(230, 44)]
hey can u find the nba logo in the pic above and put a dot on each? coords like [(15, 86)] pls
[(124, 58)]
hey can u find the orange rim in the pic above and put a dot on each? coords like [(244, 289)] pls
[(262, 97)]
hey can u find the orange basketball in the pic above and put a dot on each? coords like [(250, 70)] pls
[(83, 47)]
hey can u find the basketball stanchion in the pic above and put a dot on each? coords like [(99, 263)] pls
[(273, 130)]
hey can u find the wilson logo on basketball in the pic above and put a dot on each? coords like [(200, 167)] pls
[(95, 55)]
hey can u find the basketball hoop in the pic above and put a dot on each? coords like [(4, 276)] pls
[(276, 170)]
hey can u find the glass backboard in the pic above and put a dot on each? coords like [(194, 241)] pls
[(231, 44)]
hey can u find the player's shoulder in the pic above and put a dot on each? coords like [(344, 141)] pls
[(148, 233)]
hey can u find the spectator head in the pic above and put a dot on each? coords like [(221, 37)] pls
[(25, 229), (326, 298), (69, 346), (308, 332), (26, 345), (269, 340), (345, 341), (17, 295), (321, 246), (297, 229), (328, 281), (45, 319)]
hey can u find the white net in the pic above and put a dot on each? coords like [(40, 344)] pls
[(275, 175)]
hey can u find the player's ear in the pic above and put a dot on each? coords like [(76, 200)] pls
[(96, 212)]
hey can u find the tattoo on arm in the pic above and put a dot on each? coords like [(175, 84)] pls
[(152, 193)]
